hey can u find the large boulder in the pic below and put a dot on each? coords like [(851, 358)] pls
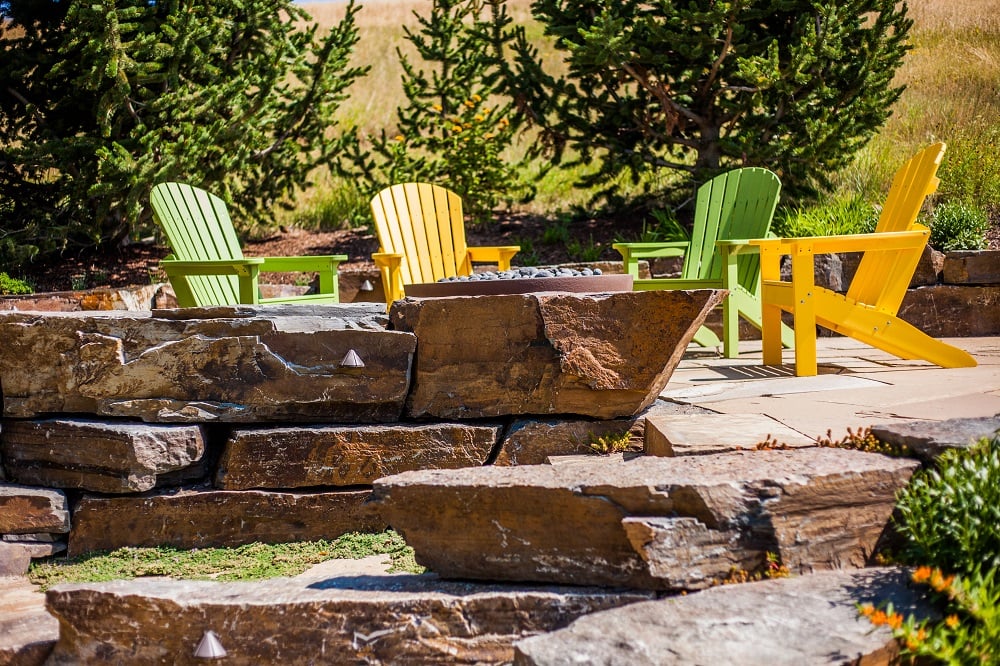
[(810, 619), (352, 619), (653, 523), (97, 456), (604, 355), (203, 518), (348, 455), (235, 364)]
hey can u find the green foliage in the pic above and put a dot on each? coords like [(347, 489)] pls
[(611, 442), (958, 226), (12, 286), (99, 101), (584, 250), (948, 517), (250, 562), (339, 204), (455, 127), (971, 168), (949, 514), (793, 85), (832, 217)]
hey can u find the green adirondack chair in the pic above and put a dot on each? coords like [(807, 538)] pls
[(729, 209), (207, 266)]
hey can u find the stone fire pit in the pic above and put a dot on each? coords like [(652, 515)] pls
[(573, 284)]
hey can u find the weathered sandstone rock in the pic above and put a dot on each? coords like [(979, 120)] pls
[(535, 441), (359, 619), (104, 298), (27, 631), (929, 439), (348, 455), (646, 522), (786, 622), (600, 355), (202, 518), (979, 267), (14, 559), (98, 456), (948, 311), (25, 510), (237, 364)]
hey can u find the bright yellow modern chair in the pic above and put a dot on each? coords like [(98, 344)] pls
[(421, 234), (868, 310)]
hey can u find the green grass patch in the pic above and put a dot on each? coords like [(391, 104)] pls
[(254, 561)]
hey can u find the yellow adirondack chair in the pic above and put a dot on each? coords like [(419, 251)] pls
[(207, 266), (421, 233), (868, 311)]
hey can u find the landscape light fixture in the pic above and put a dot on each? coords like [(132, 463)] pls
[(210, 647), (366, 286), (352, 360)]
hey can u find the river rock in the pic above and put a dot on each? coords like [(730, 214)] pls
[(235, 364), (348, 455), (810, 619), (647, 522), (350, 619), (203, 518), (604, 355), (97, 456), (26, 510)]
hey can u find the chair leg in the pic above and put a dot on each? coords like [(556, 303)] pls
[(804, 314), (705, 337)]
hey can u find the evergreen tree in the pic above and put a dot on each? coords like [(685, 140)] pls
[(794, 85), (100, 100), (455, 126)]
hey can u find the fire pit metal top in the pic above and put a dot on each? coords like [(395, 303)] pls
[(576, 284)]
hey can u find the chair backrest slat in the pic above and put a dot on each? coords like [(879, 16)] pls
[(913, 183), (425, 224), (733, 205), (198, 228)]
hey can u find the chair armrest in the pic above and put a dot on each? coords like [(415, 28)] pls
[(501, 254), (885, 240), (306, 264), (738, 246), (245, 266), (633, 252), (390, 264)]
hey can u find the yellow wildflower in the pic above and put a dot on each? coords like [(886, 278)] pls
[(466, 125), (488, 135), (951, 621), (438, 107), (477, 98), (456, 128), (469, 103), (400, 138), (478, 119)]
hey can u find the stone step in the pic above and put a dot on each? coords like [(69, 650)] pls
[(649, 522), (700, 434), (352, 615), (27, 630), (810, 619), (929, 439)]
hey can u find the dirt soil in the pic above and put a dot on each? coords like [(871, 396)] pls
[(136, 264)]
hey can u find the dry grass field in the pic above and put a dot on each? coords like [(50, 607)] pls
[(952, 79)]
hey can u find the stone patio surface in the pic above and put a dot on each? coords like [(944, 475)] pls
[(858, 386)]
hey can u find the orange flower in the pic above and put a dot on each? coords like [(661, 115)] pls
[(895, 621), (940, 582), (867, 610), (951, 621), (922, 574)]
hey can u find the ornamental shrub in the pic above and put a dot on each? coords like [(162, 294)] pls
[(958, 226)]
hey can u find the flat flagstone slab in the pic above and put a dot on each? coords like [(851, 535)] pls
[(205, 364), (699, 434), (204, 518), (105, 457), (714, 392), (810, 619), (649, 522), (27, 630), (602, 355), (348, 455), (352, 618)]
